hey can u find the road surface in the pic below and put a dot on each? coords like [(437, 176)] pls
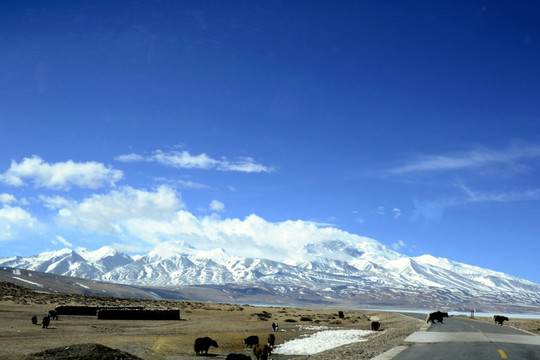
[(459, 338)]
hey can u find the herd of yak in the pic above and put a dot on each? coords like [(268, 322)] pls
[(439, 315), (262, 351)]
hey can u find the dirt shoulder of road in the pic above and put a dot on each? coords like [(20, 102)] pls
[(529, 325)]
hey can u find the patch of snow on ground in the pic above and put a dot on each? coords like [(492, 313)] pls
[(321, 341), (313, 327), (26, 281), (81, 285)]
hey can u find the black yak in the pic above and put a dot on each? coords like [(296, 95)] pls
[(499, 319), (53, 314), (437, 315), (203, 344), (251, 340), (261, 351), (34, 320), (275, 327), (45, 322), (375, 325), (271, 340)]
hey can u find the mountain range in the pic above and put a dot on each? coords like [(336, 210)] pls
[(334, 272)]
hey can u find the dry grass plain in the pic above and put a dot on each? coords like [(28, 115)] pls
[(173, 340), (228, 324)]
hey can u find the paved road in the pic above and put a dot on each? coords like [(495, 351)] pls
[(460, 338)]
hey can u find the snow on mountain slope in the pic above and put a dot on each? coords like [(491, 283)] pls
[(106, 258), (63, 262), (333, 269), (479, 275)]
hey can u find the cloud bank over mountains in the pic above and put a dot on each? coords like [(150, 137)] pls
[(139, 219), (146, 218)]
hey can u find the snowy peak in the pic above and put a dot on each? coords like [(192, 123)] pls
[(106, 258), (96, 255), (171, 249), (339, 250)]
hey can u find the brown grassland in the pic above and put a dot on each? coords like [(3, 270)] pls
[(227, 323)]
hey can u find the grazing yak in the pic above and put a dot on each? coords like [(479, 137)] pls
[(341, 315), (34, 320), (203, 344), (437, 315), (262, 352), (271, 340), (238, 357), (53, 314), (499, 319), (251, 340), (375, 325), (45, 322), (275, 327)]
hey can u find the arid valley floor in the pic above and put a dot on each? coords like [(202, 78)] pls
[(228, 324)]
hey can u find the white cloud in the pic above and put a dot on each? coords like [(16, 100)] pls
[(216, 205), (13, 219), (135, 219), (191, 184), (109, 213), (55, 202), (246, 164), (61, 175), (138, 218), (398, 245), (185, 160), (7, 198), (253, 236), (17, 215), (473, 159), (63, 241), (130, 158), (478, 196), (128, 248), (396, 212)]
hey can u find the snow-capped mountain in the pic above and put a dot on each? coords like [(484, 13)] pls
[(62, 262), (333, 271), (106, 258)]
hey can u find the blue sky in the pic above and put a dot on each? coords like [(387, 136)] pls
[(265, 125)]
